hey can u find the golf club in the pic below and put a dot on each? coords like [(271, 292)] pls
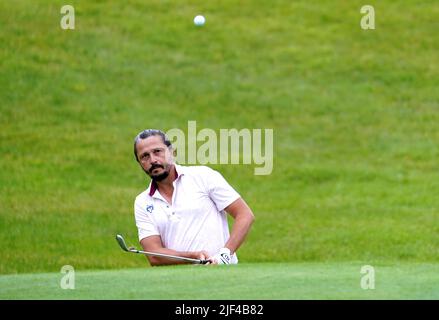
[(124, 247)]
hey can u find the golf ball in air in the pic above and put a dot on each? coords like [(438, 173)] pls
[(199, 20)]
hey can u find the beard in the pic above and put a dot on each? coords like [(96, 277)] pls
[(158, 177)]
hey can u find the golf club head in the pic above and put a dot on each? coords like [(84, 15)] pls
[(121, 242)]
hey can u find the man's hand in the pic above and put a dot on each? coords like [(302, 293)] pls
[(202, 255), (222, 257)]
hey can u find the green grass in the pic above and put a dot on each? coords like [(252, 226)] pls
[(354, 115), (286, 281)]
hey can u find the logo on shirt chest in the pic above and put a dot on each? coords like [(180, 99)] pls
[(149, 208)]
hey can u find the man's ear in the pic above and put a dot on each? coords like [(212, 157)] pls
[(173, 153)]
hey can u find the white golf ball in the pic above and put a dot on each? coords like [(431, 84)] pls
[(199, 20)]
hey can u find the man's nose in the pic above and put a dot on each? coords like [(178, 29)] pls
[(153, 158)]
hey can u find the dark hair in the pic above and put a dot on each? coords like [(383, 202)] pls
[(149, 133)]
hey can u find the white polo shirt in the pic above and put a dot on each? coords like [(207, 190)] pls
[(196, 219)]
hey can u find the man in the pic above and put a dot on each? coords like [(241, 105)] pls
[(183, 211)]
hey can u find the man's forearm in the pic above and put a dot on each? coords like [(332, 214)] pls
[(240, 229), (159, 261)]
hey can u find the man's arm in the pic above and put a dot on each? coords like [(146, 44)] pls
[(154, 244), (244, 218)]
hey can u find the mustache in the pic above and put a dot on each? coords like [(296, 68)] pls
[(154, 166)]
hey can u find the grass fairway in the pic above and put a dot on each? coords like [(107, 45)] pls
[(285, 281)]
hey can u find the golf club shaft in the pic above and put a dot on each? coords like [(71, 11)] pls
[(163, 255), (124, 247)]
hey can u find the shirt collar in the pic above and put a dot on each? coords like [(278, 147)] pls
[(179, 171)]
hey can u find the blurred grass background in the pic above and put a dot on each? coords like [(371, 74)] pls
[(354, 114)]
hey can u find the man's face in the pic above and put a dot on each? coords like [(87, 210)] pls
[(154, 157)]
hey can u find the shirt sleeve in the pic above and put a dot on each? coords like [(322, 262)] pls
[(145, 225), (220, 191)]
